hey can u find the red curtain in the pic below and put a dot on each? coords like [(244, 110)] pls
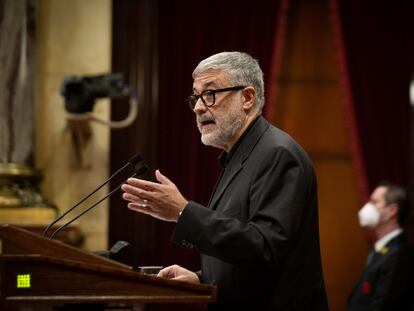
[(374, 41), (279, 44)]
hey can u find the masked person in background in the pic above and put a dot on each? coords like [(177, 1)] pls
[(387, 280)]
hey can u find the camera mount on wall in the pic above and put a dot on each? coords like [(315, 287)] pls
[(81, 93)]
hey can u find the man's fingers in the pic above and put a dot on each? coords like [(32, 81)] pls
[(130, 197), (162, 179), (166, 273), (138, 192), (180, 278), (143, 184), (140, 208), (169, 272), (144, 203)]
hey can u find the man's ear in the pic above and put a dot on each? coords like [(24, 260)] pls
[(249, 98), (393, 209)]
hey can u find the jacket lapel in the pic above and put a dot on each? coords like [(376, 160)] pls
[(227, 176), (236, 163)]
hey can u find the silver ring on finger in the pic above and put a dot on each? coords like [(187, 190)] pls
[(143, 203)]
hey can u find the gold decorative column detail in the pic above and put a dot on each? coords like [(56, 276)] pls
[(20, 199)]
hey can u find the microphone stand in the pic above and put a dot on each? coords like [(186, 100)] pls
[(134, 160), (139, 172)]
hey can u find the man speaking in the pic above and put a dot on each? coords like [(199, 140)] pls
[(258, 237)]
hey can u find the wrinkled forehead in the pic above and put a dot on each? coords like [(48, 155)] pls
[(212, 78)]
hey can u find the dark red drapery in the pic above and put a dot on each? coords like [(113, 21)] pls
[(375, 51)]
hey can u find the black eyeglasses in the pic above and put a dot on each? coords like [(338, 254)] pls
[(208, 97)]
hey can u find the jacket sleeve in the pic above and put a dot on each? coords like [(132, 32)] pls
[(277, 200)]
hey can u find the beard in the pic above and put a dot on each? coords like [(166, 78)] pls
[(220, 130)]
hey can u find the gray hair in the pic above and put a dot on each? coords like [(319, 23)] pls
[(241, 68), (398, 195)]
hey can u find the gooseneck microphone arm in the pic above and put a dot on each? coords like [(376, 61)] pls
[(132, 161), (139, 172)]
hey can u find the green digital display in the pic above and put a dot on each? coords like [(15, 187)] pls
[(23, 281)]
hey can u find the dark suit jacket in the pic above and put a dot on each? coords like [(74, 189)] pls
[(387, 281), (259, 236)]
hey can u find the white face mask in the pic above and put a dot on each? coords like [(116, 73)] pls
[(369, 216)]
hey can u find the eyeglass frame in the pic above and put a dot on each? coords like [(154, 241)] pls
[(213, 92)]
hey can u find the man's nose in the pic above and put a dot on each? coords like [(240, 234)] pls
[(199, 106)]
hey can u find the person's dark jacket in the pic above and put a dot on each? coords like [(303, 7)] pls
[(387, 280), (259, 236)]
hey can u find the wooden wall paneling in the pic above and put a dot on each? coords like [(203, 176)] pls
[(344, 244), (135, 55), (312, 116)]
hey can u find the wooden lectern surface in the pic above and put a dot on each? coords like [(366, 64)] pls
[(34, 269)]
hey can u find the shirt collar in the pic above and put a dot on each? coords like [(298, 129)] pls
[(225, 157), (386, 238)]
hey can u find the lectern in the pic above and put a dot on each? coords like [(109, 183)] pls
[(41, 274)]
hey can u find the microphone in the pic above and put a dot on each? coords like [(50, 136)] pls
[(139, 172), (116, 251), (132, 161)]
